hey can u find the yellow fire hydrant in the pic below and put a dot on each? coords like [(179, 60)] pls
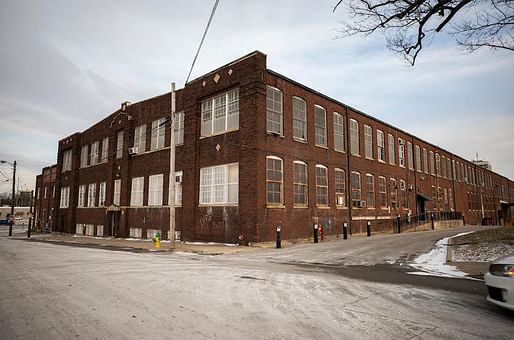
[(157, 240)]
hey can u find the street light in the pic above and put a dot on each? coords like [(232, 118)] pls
[(13, 198)]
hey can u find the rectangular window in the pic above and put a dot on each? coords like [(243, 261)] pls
[(66, 160), (401, 152), (274, 110), (101, 194), (300, 193), (368, 141), (179, 129), (119, 145), (178, 188), (94, 153), (65, 197), (418, 158), (338, 132), (140, 138), (155, 189), (117, 192), (370, 190), (434, 196), (394, 193), (381, 146), (219, 184), (321, 186), (403, 194), (390, 146), (320, 126), (137, 190), (432, 164), (84, 156), (105, 149), (354, 137), (356, 189), (382, 192), (443, 166), (82, 196), (449, 167), (340, 179), (425, 160), (438, 164), (220, 114), (158, 133), (274, 180), (299, 119), (91, 195), (410, 158), (450, 197), (44, 196)]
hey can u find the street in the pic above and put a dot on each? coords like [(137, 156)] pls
[(357, 288)]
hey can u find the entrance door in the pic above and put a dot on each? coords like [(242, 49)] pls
[(63, 223), (421, 208), (113, 223)]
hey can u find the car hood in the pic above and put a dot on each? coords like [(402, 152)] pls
[(509, 259)]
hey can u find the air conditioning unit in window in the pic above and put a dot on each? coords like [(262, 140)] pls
[(132, 151), (362, 204), (178, 178)]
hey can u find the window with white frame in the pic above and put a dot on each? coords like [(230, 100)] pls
[(368, 141), (101, 194), (82, 196), (401, 152), (155, 189), (46, 189), (340, 186), (179, 128), (449, 167), (66, 160), (274, 110), (418, 158), (299, 119), (438, 164), (338, 132), (274, 181), (220, 113), (356, 189), (443, 160), (105, 149), (370, 190), (137, 190), (219, 184), (403, 194), (117, 192), (320, 126), (394, 193), (390, 145), (321, 185), (300, 191), (94, 153), (354, 137), (410, 158), (177, 180), (425, 160), (140, 138), (84, 156), (53, 191), (381, 146), (119, 145), (91, 195), (382, 192), (158, 132), (432, 163)]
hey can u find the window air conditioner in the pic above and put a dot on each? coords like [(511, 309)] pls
[(132, 151), (178, 179)]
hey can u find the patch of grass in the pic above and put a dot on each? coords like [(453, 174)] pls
[(484, 245)]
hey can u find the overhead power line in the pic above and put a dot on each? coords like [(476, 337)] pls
[(203, 38)]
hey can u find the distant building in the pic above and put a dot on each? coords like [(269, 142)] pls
[(255, 150)]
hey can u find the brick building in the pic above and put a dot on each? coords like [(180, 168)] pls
[(256, 150)]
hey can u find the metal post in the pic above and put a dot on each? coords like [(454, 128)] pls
[(30, 212), (13, 201), (368, 228), (172, 170), (463, 221), (345, 230), (279, 244), (315, 233), (399, 224), (432, 219)]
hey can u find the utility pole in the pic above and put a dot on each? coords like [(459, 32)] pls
[(172, 170), (13, 196), (30, 212)]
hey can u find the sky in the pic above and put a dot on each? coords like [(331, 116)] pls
[(65, 65)]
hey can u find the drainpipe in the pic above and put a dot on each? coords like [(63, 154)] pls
[(349, 171)]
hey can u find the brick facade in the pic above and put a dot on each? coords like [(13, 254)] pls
[(248, 146)]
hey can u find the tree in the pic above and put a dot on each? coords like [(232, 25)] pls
[(408, 24)]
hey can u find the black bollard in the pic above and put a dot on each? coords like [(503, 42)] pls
[(345, 230), (279, 244), (10, 227), (368, 228), (315, 233), (463, 221), (432, 219), (399, 224)]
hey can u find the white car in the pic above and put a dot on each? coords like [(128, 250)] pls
[(500, 282)]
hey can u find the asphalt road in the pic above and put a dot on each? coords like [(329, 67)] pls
[(353, 289)]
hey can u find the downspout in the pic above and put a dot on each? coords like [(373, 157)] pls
[(349, 172)]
